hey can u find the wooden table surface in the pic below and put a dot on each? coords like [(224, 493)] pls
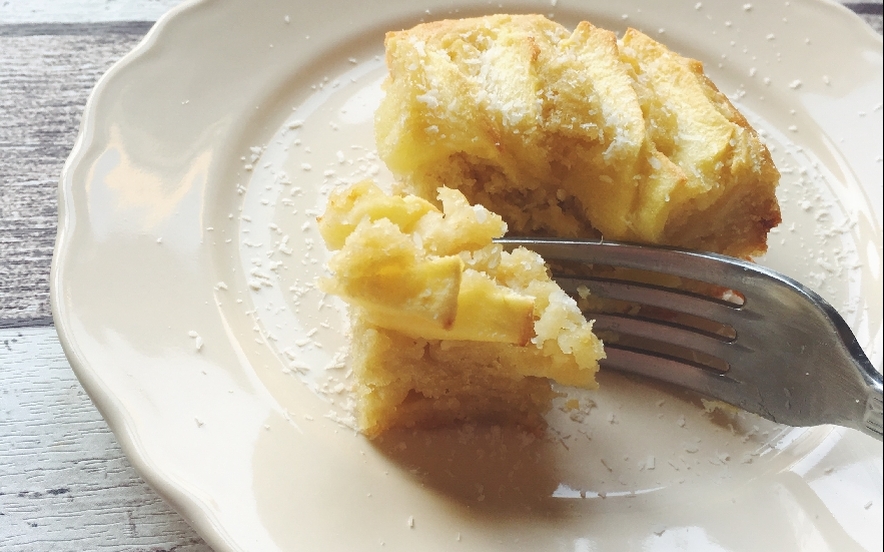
[(64, 482)]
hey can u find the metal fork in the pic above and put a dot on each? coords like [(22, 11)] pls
[(778, 349)]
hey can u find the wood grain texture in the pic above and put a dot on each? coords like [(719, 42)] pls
[(45, 78), (64, 482), (78, 11), (871, 12)]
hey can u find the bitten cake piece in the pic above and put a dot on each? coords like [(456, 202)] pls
[(448, 327), (575, 134)]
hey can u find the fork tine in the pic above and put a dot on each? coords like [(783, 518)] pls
[(711, 268), (675, 300), (671, 370), (721, 386), (669, 333)]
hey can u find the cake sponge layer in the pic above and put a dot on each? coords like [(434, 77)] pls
[(447, 326)]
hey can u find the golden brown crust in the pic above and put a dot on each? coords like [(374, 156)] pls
[(723, 157), (575, 133)]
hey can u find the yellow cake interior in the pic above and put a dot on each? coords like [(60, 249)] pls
[(448, 327)]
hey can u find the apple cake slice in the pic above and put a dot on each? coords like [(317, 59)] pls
[(446, 326), (575, 134)]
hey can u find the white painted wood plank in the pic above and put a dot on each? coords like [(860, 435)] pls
[(79, 11), (44, 82), (64, 482)]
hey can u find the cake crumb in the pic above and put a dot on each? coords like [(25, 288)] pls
[(197, 340)]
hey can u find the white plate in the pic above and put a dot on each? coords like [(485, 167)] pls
[(182, 291)]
